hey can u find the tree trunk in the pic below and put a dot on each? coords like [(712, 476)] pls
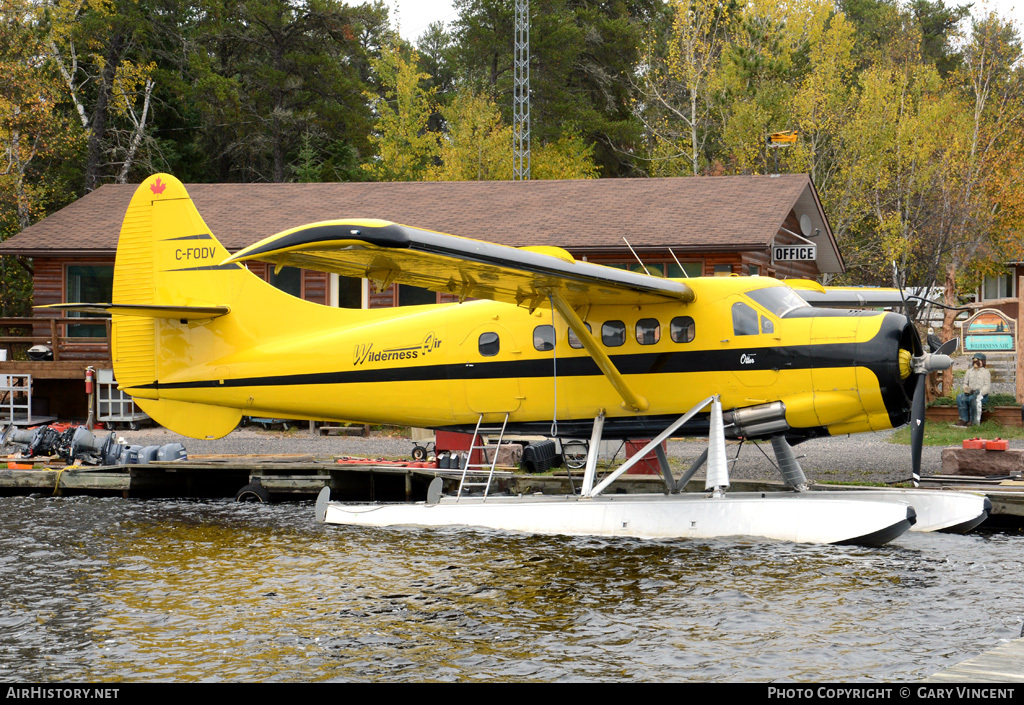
[(99, 115), (948, 332)]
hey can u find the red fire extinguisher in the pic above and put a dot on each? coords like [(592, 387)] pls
[(89, 397)]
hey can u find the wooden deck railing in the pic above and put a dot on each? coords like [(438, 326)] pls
[(17, 335)]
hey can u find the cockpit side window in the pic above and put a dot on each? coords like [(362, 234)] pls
[(744, 319)]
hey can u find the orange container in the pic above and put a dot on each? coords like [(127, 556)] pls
[(997, 444), (974, 444)]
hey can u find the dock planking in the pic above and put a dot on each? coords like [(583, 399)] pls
[(999, 665), (302, 476)]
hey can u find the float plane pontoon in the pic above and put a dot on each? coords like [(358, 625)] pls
[(198, 341)]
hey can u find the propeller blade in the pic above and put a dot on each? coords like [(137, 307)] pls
[(917, 428), (949, 347)]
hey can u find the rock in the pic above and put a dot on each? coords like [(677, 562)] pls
[(985, 463)]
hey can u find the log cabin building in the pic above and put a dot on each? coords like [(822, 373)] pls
[(704, 226)]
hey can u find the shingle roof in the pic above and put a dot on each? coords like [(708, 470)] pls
[(730, 213)]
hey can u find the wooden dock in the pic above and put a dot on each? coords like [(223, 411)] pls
[(1003, 664), (301, 476)]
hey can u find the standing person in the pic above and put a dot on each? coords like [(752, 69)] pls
[(977, 384)]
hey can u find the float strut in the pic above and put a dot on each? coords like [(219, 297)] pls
[(697, 465), (789, 466), (666, 471), (592, 452)]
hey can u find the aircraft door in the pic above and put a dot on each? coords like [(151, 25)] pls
[(753, 338), (489, 371)]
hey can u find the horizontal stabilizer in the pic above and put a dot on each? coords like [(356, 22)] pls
[(184, 313), (189, 418)]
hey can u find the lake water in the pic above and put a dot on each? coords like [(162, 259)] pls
[(96, 590)]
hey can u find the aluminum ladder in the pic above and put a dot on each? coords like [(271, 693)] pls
[(483, 453)]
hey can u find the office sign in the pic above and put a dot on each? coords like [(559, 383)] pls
[(794, 253)]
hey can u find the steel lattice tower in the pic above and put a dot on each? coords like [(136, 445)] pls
[(521, 104)]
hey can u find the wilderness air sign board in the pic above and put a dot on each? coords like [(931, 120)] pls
[(989, 331)]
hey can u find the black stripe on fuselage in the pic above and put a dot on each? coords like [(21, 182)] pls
[(827, 355)]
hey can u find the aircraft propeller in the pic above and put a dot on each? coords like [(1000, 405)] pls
[(921, 366)]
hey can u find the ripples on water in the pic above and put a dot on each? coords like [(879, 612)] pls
[(112, 589)]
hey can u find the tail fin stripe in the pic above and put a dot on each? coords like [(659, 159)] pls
[(206, 236)]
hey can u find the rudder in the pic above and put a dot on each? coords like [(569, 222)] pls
[(166, 255)]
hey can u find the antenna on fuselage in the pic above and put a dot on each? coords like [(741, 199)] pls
[(636, 255), (681, 268)]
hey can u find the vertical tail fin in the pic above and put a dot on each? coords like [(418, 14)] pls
[(167, 256)]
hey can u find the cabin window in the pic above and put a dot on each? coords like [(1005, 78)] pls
[(544, 338), (682, 329), (648, 331), (613, 333), (288, 280), (409, 295), (744, 319), (723, 270), (489, 344), (89, 284), (766, 325), (574, 340)]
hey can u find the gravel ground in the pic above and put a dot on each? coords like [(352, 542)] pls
[(866, 457)]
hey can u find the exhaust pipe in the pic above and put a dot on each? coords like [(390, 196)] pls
[(756, 421)]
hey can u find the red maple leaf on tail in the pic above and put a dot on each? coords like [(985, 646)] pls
[(157, 187)]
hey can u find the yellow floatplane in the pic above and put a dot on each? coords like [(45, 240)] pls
[(537, 338)]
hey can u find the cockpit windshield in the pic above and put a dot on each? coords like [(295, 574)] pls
[(780, 300)]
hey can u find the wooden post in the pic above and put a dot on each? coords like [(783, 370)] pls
[(1020, 359), (54, 340)]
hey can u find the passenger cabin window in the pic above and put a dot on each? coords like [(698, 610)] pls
[(744, 319), (613, 333), (682, 329), (648, 331), (489, 344), (574, 340), (544, 338)]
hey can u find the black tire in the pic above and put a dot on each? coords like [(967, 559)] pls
[(419, 453), (253, 492)]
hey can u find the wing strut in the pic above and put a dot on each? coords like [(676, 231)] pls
[(631, 400)]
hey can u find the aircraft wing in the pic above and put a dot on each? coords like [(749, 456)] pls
[(386, 252)]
